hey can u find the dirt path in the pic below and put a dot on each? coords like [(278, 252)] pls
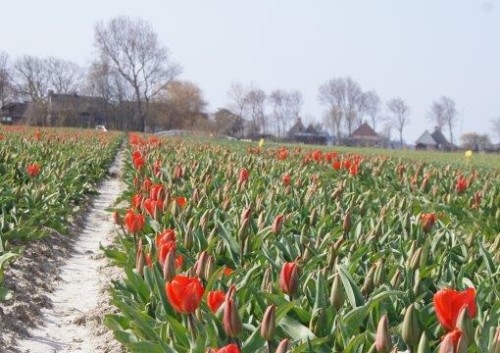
[(73, 322)]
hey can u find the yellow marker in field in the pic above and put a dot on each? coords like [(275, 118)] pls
[(468, 154), (261, 143)]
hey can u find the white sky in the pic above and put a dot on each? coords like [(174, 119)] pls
[(418, 50)]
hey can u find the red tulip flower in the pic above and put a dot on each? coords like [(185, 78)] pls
[(181, 201), (461, 185), (336, 164), (450, 342), (33, 169), (230, 348), (287, 179), (134, 221), (428, 220), (277, 224), (289, 278), (282, 154), (166, 236), (449, 302), (244, 175), (215, 299), (184, 293)]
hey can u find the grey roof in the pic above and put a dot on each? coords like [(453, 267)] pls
[(438, 136), (426, 139)]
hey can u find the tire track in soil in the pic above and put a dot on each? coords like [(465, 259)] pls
[(80, 299)]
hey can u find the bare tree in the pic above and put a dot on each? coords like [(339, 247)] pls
[(372, 107), (32, 78), (354, 104), (400, 111), (295, 102), (495, 124), (444, 112), (135, 52), (332, 95), (256, 100), (5, 79), (237, 93), (474, 141), (65, 76)]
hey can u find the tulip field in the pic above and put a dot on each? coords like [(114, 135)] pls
[(46, 177), (231, 247)]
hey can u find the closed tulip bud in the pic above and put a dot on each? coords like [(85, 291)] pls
[(451, 342), (337, 293), (382, 338), (169, 266), (231, 320), (317, 322), (289, 278), (368, 285), (261, 220), (283, 346), (495, 344), (139, 261), (396, 279), (201, 263), (195, 196), (313, 216), (464, 324), (411, 326), (423, 344), (277, 224), (210, 267), (188, 240), (379, 277), (267, 281), (415, 259), (242, 232), (332, 256), (268, 323), (346, 223), (245, 215)]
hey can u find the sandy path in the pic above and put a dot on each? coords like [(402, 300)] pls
[(74, 323)]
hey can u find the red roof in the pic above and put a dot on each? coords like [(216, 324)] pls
[(364, 131)]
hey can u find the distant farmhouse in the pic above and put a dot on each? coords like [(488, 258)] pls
[(299, 133), (434, 141), (364, 136)]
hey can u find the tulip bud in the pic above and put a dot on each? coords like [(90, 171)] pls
[(117, 218), (268, 323), (464, 324), (415, 259), (139, 261), (245, 214), (450, 342), (379, 276), (317, 322), (411, 326), (495, 344), (210, 267), (382, 338), (277, 224), (283, 346), (201, 263), (169, 266), (368, 284), (289, 278), (423, 344), (231, 320), (267, 281), (346, 224), (261, 220), (337, 293), (396, 279), (188, 240)]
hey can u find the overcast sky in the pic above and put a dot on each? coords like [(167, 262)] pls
[(418, 50)]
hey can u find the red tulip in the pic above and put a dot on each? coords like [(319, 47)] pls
[(146, 184), (137, 200), (33, 169), (230, 348), (282, 154), (448, 302), (157, 192), (317, 155), (244, 175), (461, 184), (165, 248), (181, 201), (184, 293), (277, 224), (166, 236), (138, 160), (134, 221), (428, 220), (157, 168), (287, 179), (215, 299), (289, 278), (337, 164)]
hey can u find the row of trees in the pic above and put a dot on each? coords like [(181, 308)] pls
[(132, 71)]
